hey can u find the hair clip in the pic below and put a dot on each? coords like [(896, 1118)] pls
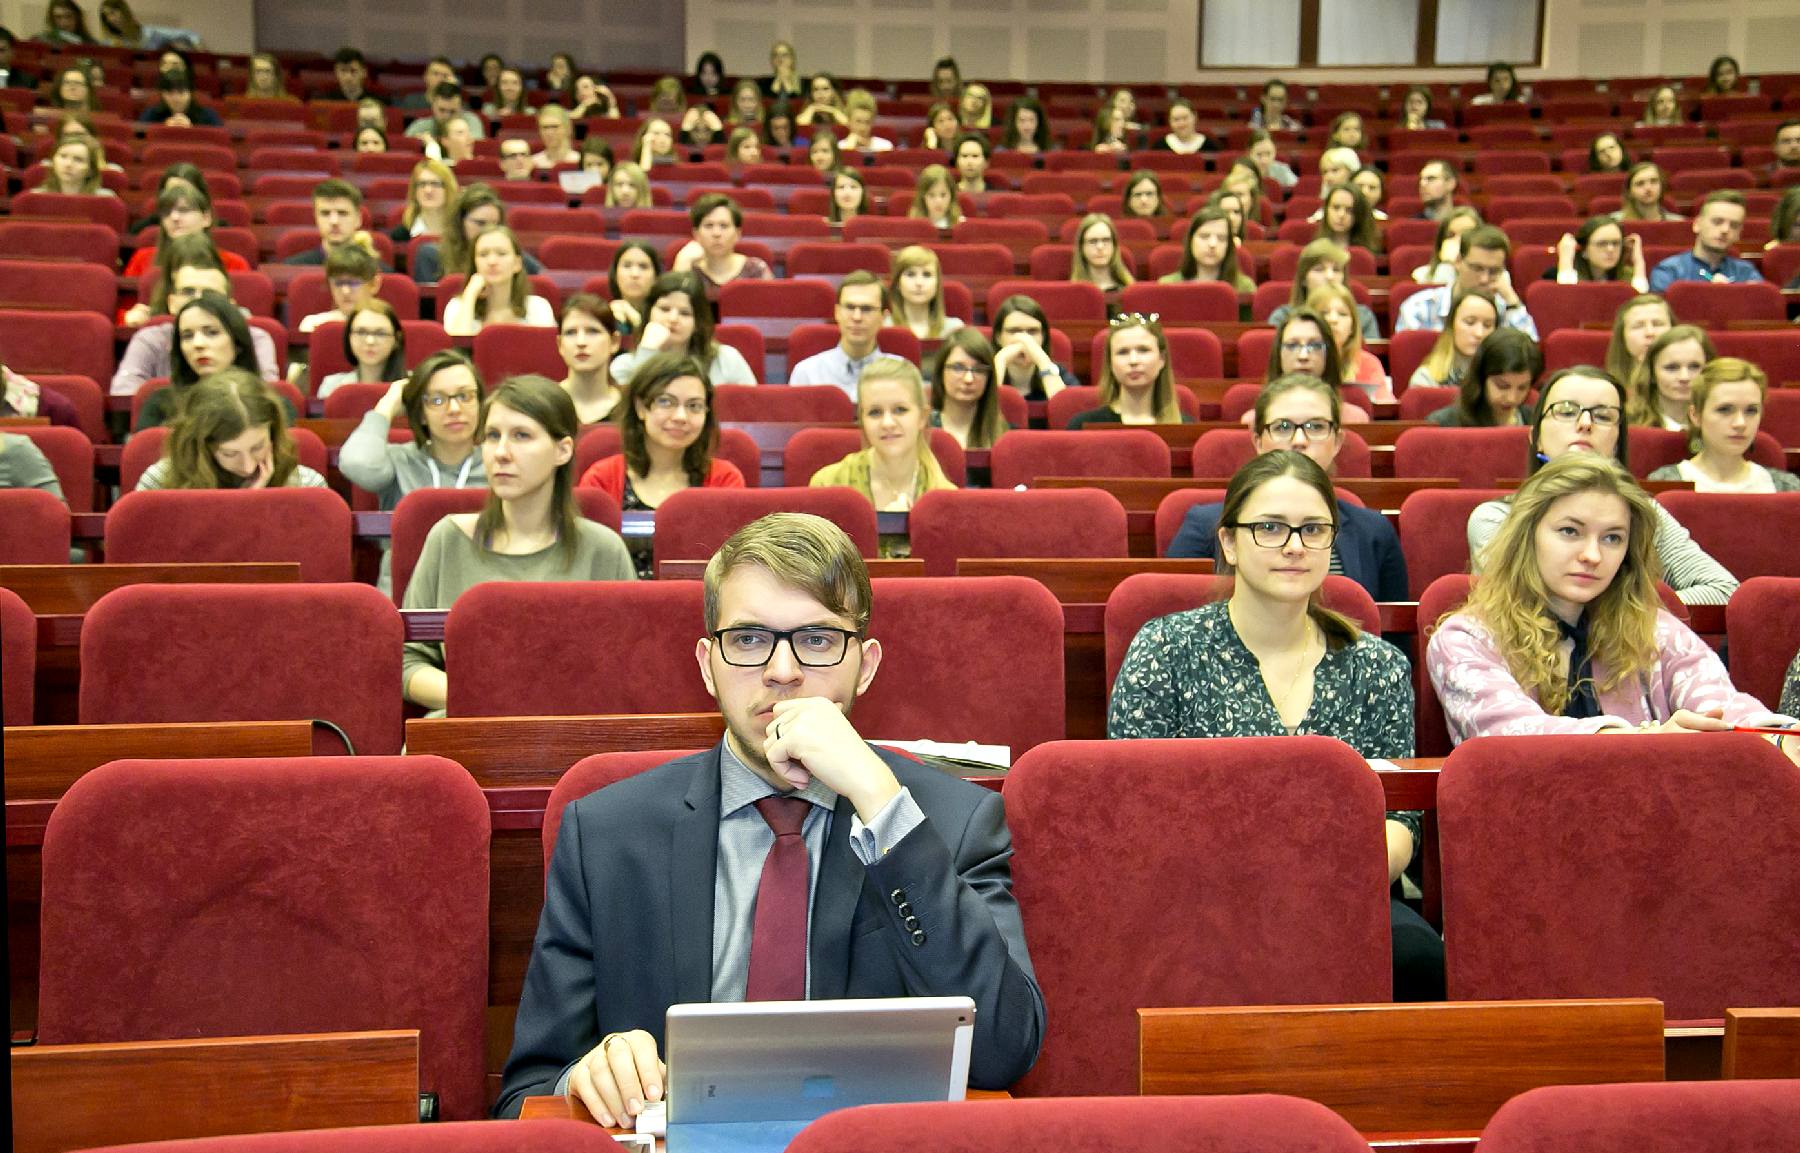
[(1135, 318)]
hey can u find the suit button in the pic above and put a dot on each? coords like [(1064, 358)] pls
[(912, 923), (898, 896), (918, 936), (905, 909)]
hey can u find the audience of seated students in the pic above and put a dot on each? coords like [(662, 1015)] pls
[(861, 301), (934, 198), (1271, 660), (375, 346), (529, 530), (1565, 633), (1581, 411), (498, 290), (211, 335), (1142, 197), (230, 431), (1322, 263), (946, 79), (587, 340), (177, 107), (1137, 379), (1260, 154), (1232, 205), (1600, 250), (1437, 190), (337, 213), (452, 143), (1022, 350), (1502, 87), (556, 135), (181, 210), (438, 70), (895, 466), (1271, 109), (1606, 153), (915, 295), (849, 197), (26, 398), (475, 209), (265, 80), (635, 266), (976, 108), (972, 151), (559, 79), (628, 186), (1303, 413), (1718, 223), (679, 322), (860, 117), (75, 168), (1346, 220), (351, 72), (709, 76), (1335, 168), (1643, 194), (712, 254), (353, 277), (1415, 110), (1663, 108), (1636, 326), (1480, 267), (1210, 253), (1027, 127), (515, 159), (1182, 137), (441, 401), (747, 109), (72, 91), (1493, 392), (1661, 385), (24, 465), (597, 159), (1336, 304), (965, 390), (824, 104), (1724, 413), (1722, 76), (1098, 258), (194, 270), (446, 105), (429, 194), (1473, 315), (797, 579), (1373, 185)]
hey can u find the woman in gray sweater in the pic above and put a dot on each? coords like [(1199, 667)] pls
[(529, 530)]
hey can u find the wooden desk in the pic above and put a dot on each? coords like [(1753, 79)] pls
[(1762, 1043), (1395, 1071), (1080, 580), (42, 761), (81, 1096), (534, 752)]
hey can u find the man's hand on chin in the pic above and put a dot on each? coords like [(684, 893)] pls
[(811, 737)]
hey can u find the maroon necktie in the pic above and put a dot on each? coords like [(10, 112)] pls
[(778, 933)]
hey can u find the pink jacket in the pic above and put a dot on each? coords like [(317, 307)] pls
[(1481, 698)]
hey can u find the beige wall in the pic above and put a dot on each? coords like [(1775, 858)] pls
[(1154, 40), (223, 25)]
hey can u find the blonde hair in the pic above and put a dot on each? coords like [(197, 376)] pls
[(96, 155), (908, 258), (634, 173), (1642, 404), (1315, 253), (1511, 600), (1441, 360), (1162, 394), (1618, 361), (929, 177), (521, 281), (801, 550), (1340, 293), (907, 373), (1340, 157), (435, 168), (1081, 270), (1721, 370)]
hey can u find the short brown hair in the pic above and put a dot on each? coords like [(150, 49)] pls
[(1487, 236), (1723, 196), (799, 549), (705, 205), (861, 278), (335, 189)]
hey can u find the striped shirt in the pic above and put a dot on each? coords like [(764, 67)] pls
[(1697, 578)]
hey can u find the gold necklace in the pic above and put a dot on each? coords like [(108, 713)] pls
[(1299, 670)]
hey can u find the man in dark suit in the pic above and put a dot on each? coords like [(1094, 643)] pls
[(660, 890)]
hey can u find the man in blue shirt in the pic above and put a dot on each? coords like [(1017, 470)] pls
[(860, 300), (1480, 267), (1717, 226)]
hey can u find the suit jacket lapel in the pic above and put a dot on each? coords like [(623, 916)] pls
[(693, 866), (834, 908)]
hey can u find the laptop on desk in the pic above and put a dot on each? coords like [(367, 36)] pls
[(747, 1077)]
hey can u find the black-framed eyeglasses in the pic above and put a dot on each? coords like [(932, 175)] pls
[(971, 371), (1275, 534), (1284, 430), (1571, 411), (815, 646)]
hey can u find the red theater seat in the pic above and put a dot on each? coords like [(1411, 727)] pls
[(1434, 532), (310, 526), (1023, 455), (58, 285), (503, 350), (1717, 305), (265, 652), (307, 294), (1222, 451), (1557, 306), (811, 449), (420, 510), (18, 641), (590, 775), (37, 527), (1762, 625), (444, 1137), (1196, 303), (798, 403), (146, 448), (71, 457), (296, 895), (1061, 300), (1166, 922), (325, 346), (946, 526), (1751, 535), (1686, 894), (838, 259), (1479, 457), (69, 343), (1647, 1117), (59, 240), (106, 210), (693, 523)]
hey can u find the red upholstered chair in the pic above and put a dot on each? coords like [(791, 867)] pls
[(63, 240), (1751, 535), (1166, 922), (1568, 347), (693, 523), (1434, 532), (1762, 625), (61, 285), (153, 654), (748, 341), (1245, 1124), (777, 306), (972, 259), (735, 445), (1716, 305), (146, 448), (309, 525), (1652, 448), (420, 510), (811, 449), (1222, 451), (1066, 405), (1199, 302), (1421, 400), (1061, 300), (1445, 594), (445, 1137), (838, 259), (18, 647), (590, 775), (107, 210), (1475, 456), (860, 229), (1557, 306), (1775, 351), (1193, 352), (811, 339), (1647, 1117), (508, 653), (1023, 455), (37, 527), (1406, 351), (71, 343), (504, 350), (1001, 694), (88, 398), (288, 895), (325, 346), (1685, 894), (946, 526), (581, 253), (798, 403), (354, 401), (1172, 509), (71, 457), (1142, 597)]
